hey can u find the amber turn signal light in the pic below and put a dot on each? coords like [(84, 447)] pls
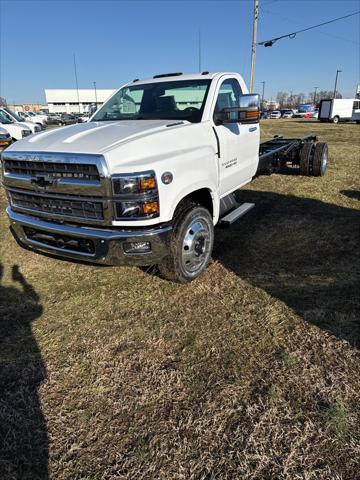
[(147, 183), (150, 207), (252, 114)]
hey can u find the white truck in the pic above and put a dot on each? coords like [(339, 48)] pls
[(145, 181), (39, 119), (13, 117), (340, 110), (17, 130)]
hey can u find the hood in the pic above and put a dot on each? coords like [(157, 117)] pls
[(92, 137)]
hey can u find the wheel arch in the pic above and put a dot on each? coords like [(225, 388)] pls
[(202, 196)]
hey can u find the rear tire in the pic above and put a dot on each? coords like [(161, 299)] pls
[(336, 119), (320, 160), (306, 158), (191, 243)]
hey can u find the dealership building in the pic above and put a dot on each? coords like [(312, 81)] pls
[(75, 101)]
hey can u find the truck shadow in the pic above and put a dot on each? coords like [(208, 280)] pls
[(301, 251), (23, 432)]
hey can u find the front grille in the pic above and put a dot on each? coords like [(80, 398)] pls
[(81, 171), (59, 206)]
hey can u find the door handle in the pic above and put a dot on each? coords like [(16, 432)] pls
[(252, 129)]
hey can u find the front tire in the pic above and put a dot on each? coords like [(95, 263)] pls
[(336, 119), (191, 243)]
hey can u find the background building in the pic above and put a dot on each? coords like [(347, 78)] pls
[(68, 101)]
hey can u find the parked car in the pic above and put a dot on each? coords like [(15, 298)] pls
[(16, 129), (34, 127), (122, 189), (275, 114), (67, 119), (288, 114), (53, 118), (27, 117), (41, 115), (5, 139), (81, 116)]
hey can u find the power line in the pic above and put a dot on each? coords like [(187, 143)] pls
[(270, 43), (302, 25)]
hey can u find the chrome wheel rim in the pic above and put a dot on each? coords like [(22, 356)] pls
[(324, 162), (196, 246)]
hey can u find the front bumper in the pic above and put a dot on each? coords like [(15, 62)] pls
[(105, 246)]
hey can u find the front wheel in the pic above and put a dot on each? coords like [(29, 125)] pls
[(336, 119), (191, 243)]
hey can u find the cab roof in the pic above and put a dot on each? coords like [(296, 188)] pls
[(173, 77)]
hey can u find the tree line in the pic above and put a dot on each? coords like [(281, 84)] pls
[(292, 100)]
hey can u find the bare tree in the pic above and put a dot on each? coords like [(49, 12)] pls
[(3, 102), (282, 99)]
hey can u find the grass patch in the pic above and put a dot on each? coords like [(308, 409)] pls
[(250, 372)]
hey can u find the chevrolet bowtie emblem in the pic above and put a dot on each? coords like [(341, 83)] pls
[(43, 181)]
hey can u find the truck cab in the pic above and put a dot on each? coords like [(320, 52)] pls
[(145, 180)]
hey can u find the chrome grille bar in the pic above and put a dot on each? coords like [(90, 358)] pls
[(79, 208), (52, 169)]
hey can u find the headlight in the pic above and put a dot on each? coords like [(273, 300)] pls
[(25, 133), (136, 196), (134, 183)]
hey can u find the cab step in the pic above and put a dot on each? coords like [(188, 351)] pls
[(237, 213)]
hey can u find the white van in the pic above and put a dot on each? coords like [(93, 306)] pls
[(340, 110)]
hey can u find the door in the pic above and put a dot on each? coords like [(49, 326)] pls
[(356, 111), (239, 144)]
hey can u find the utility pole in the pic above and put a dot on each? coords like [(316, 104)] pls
[(315, 90), (262, 97), (253, 46), (336, 79), (94, 83), (76, 82)]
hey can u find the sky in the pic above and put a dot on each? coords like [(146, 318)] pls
[(117, 41)]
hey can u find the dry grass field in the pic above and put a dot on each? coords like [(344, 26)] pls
[(250, 372)]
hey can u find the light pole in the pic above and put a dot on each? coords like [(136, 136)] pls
[(94, 83), (262, 97), (76, 83), (315, 90), (336, 79), (253, 46)]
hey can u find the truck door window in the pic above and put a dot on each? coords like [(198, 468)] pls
[(229, 95)]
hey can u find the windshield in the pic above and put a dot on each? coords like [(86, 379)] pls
[(13, 114), (177, 100), (5, 117)]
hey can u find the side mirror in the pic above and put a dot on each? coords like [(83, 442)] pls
[(248, 111)]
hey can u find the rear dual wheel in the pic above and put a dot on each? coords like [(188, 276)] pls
[(191, 243), (314, 159)]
